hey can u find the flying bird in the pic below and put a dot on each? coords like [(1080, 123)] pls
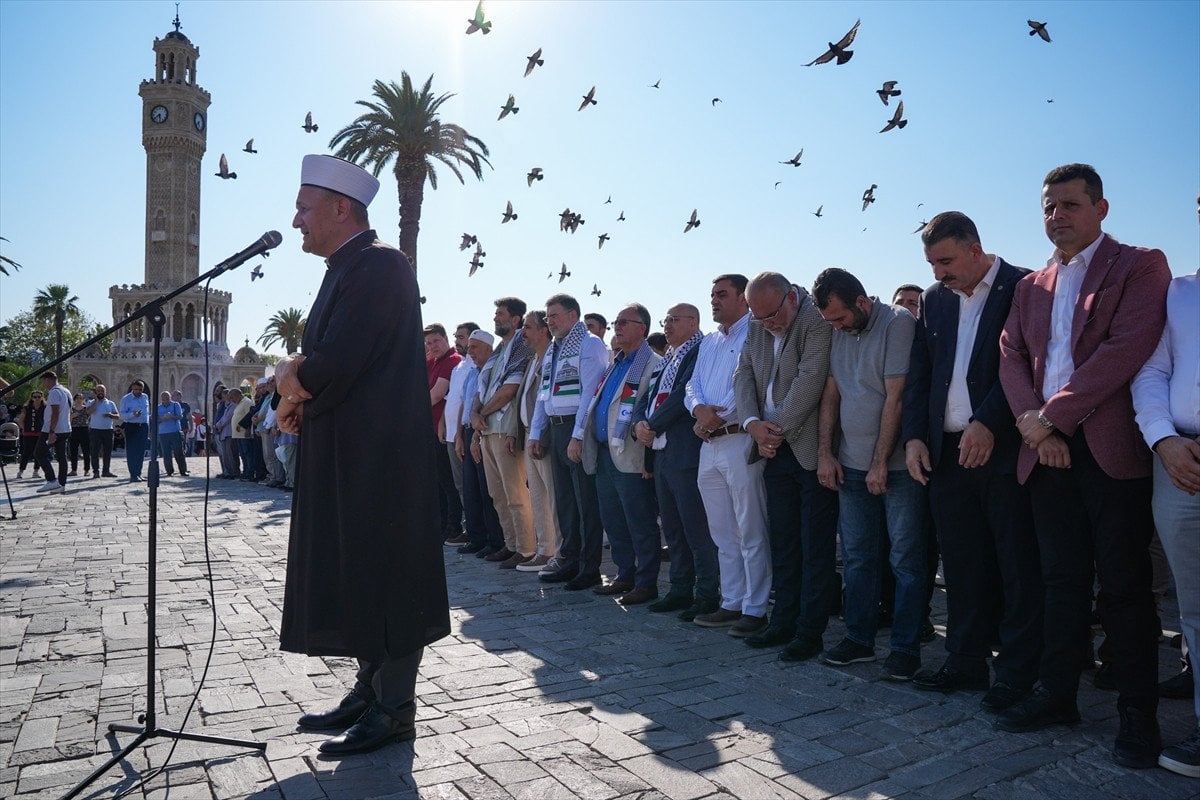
[(478, 23), (694, 222), (838, 50), (422, 299), (777, 184), (508, 213), (479, 250), (794, 160), (563, 274), (655, 84), (606, 202), (256, 273), (817, 213), (476, 264), (869, 196), (588, 99), (921, 227), (621, 218), (225, 174), (534, 174), (467, 241), (532, 61), (508, 108), (1038, 29), (604, 237), (308, 124), (889, 90), (896, 121), (249, 148), (595, 290), (716, 100), (1051, 100)]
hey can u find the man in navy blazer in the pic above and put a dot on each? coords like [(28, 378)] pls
[(664, 426), (961, 440)]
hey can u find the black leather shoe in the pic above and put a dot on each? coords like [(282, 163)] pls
[(698, 607), (485, 551), (347, 712), (1179, 687), (372, 731), (948, 679), (1138, 741), (469, 549), (581, 582), (564, 575), (800, 649), (1002, 697), (771, 636), (1039, 710), (675, 602)]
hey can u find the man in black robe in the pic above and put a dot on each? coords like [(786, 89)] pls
[(365, 576)]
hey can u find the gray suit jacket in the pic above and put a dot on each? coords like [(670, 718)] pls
[(799, 379)]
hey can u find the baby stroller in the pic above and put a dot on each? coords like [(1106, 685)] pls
[(10, 443)]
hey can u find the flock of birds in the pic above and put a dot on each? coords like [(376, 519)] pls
[(570, 221)]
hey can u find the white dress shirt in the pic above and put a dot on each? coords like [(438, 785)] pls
[(593, 362), (1060, 363), (1166, 391), (970, 310), (711, 383)]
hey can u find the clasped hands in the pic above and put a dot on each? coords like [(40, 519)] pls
[(290, 413)]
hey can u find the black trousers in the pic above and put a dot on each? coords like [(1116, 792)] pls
[(576, 504), (41, 456), (79, 445), (100, 446), (802, 519), (28, 445), (1089, 524), (391, 684), (483, 523), (449, 503), (989, 549)]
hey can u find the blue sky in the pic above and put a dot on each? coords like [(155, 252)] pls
[(1123, 76)]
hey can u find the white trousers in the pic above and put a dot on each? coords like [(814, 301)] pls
[(736, 504)]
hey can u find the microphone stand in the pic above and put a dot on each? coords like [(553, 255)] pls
[(147, 727)]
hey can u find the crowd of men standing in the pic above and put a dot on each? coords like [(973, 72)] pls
[(1033, 428)]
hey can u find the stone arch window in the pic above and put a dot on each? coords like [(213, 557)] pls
[(171, 67), (160, 220), (177, 323), (190, 72), (138, 325), (189, 322), (162, 66), (126, 334)]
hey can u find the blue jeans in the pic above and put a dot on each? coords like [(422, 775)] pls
[(694, 571), (170, 446), (901, 510), (136, 438), (627, 512)]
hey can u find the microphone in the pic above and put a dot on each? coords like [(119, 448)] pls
[(269, 240)]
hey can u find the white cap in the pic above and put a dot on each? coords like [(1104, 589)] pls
[(338, 175), (263, 381), (482, 336)]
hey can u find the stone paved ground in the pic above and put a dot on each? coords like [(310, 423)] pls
[(538, 694)]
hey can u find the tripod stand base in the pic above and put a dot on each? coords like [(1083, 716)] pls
[(144, 734)]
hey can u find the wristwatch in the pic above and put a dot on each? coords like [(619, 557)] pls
[(1045, 423)]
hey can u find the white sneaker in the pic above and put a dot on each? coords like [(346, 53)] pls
[(552, 566), (49, 486)]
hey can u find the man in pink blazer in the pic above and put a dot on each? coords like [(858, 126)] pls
[(1077, 333)]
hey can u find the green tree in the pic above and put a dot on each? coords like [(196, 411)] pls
[(30, 342), (56, 304), (285, 327), (403, 127), (6, 262)]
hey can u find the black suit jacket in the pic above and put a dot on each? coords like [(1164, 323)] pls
[(932, 366), (683, 445)]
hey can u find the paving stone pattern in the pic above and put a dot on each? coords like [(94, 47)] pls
[(538, 694)]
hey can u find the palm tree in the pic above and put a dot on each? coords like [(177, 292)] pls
[(286, 327), (5, 260), (53, 304), (404, 126)]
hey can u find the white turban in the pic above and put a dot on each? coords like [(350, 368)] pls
[(338, 175)]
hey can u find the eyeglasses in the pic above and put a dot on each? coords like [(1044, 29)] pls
[(774, 313), (621, 323), (674, 318)]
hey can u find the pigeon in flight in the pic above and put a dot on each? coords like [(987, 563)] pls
[(308, 124), (467, 241), (777, 184), (716, 100), (595, 290), (534, 60), (249, 148), (621, 218), (1038, 29), (256, 273), (534, 174), (817, 213), (1051, 100), (604, 237), (869, 196), (606, 202), (921, 227), (478, 23), (508, 108), (588, 99), (694, 222), (889, 90), (476, 264), (896, 121), (509, 216), (794, 160), (563, 274), (225, 174), (655, 84), (838, 50)]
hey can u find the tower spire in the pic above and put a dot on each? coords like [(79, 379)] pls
[(176, 22)]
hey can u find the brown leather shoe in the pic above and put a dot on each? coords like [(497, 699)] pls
[(748, 625), (503, 554), (616, 587), (512, 561), (641, 594)]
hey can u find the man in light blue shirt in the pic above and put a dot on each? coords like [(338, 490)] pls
[(170, 434), (135, 420), (102, 416)]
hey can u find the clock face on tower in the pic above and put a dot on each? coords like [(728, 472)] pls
[(158, 114), (198, 121)]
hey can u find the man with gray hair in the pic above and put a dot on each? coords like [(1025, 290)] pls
[(780, 375)]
